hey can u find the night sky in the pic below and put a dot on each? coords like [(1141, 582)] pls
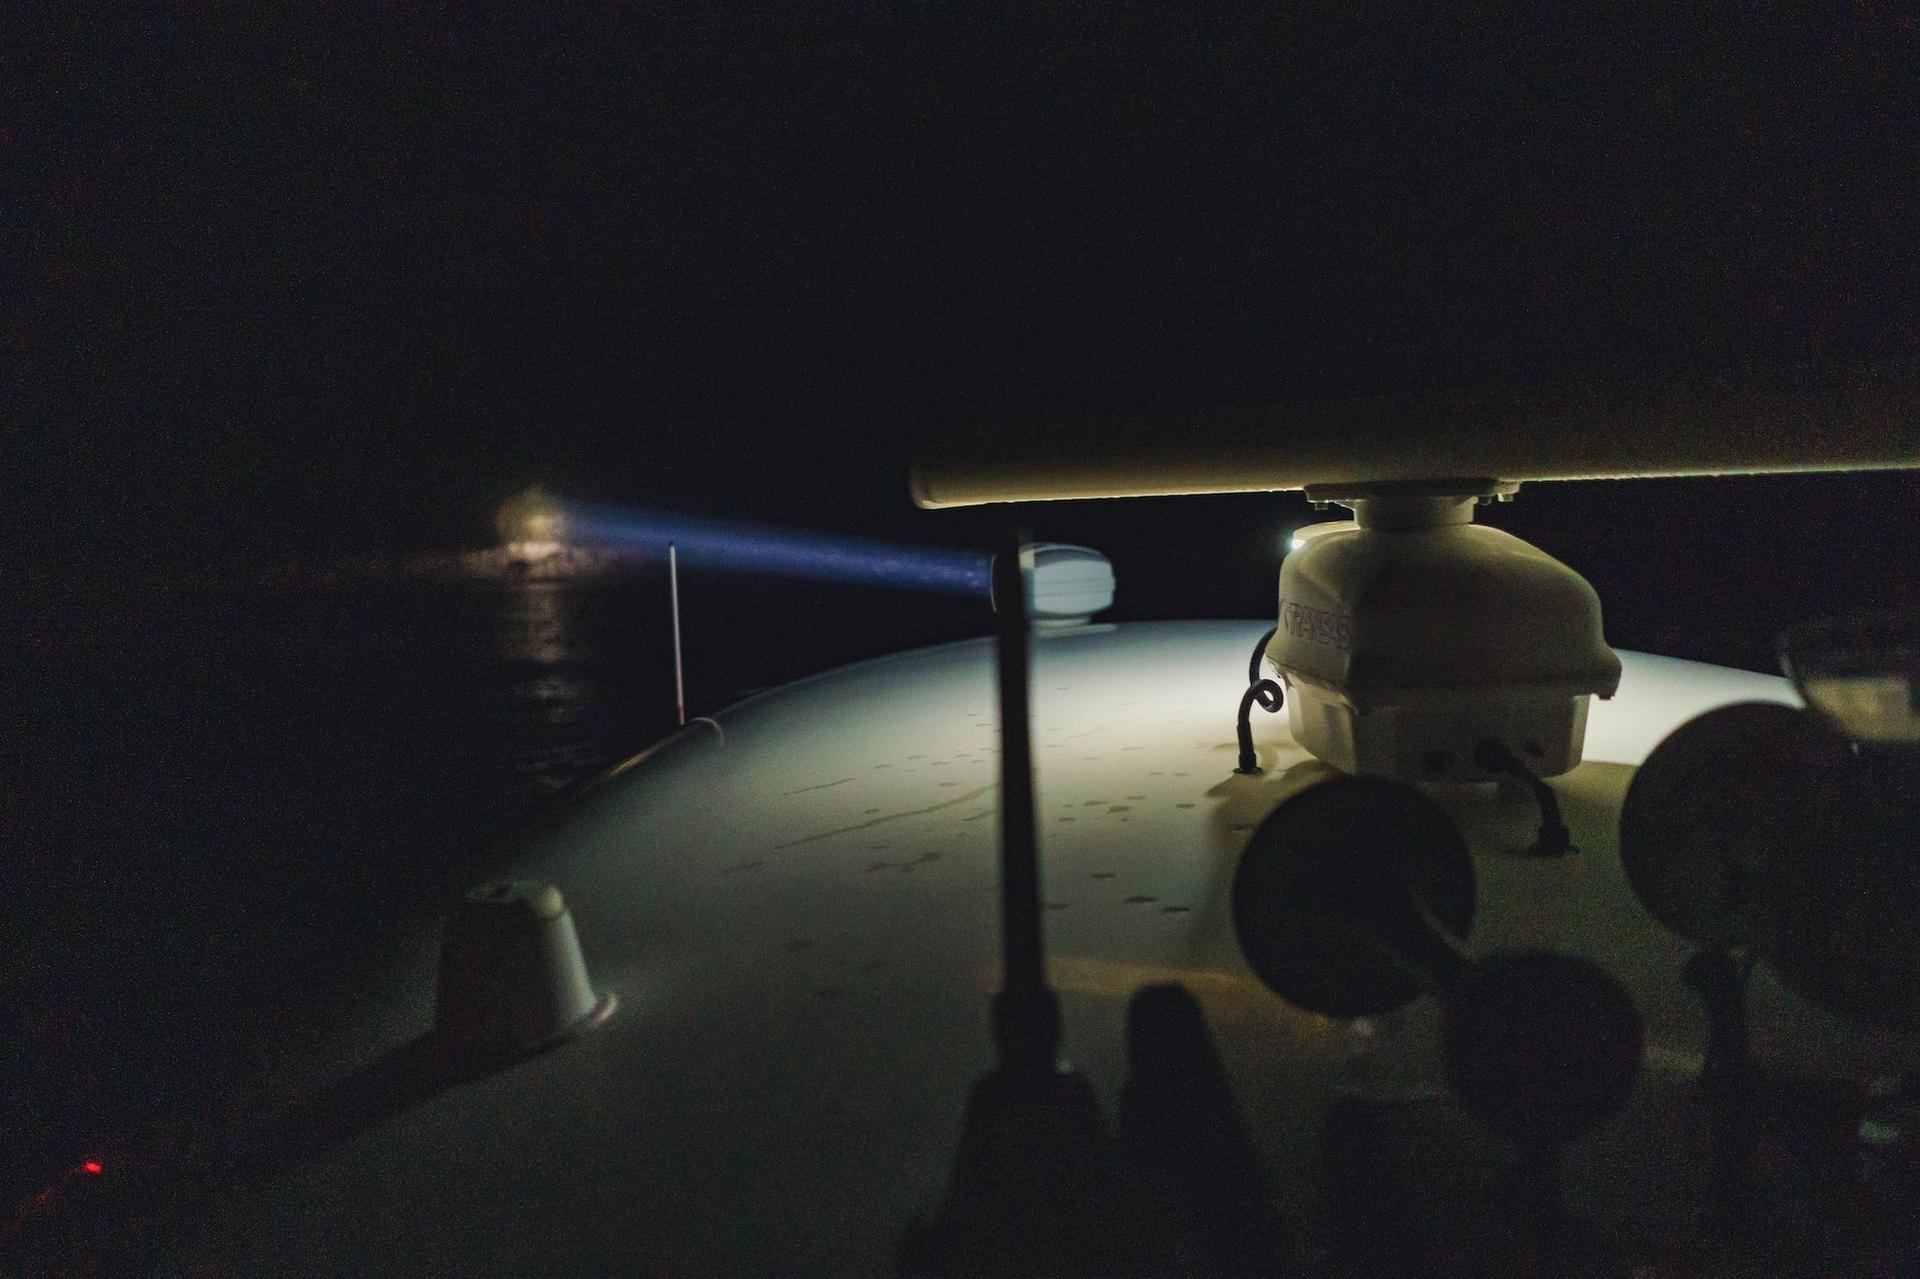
[(340, 278)]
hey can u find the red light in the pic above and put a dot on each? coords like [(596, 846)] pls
[(91, 1166)]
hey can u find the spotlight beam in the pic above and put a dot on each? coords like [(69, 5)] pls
[(761, 548)]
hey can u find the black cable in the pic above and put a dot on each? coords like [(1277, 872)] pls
[(1262, 690), (1271, 698), (1260, 651), (1554, 840)]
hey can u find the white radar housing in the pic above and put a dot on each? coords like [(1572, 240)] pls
[(1411, 637)]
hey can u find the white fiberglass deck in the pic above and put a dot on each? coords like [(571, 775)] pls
[(800, 926)]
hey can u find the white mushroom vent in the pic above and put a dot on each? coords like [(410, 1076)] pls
[(512, 979)]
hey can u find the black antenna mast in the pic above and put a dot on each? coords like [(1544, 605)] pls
[(1026, 1013)]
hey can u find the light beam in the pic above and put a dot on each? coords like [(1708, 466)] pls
[(761, 548)]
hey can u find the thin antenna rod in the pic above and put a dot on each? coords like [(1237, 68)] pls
[(1026, 1013), (679, 679)]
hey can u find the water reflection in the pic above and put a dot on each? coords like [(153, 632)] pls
[(537, 626), (541, 648), (560, 700)]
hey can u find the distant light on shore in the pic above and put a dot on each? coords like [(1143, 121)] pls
[(531, 524), (532, 551)]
